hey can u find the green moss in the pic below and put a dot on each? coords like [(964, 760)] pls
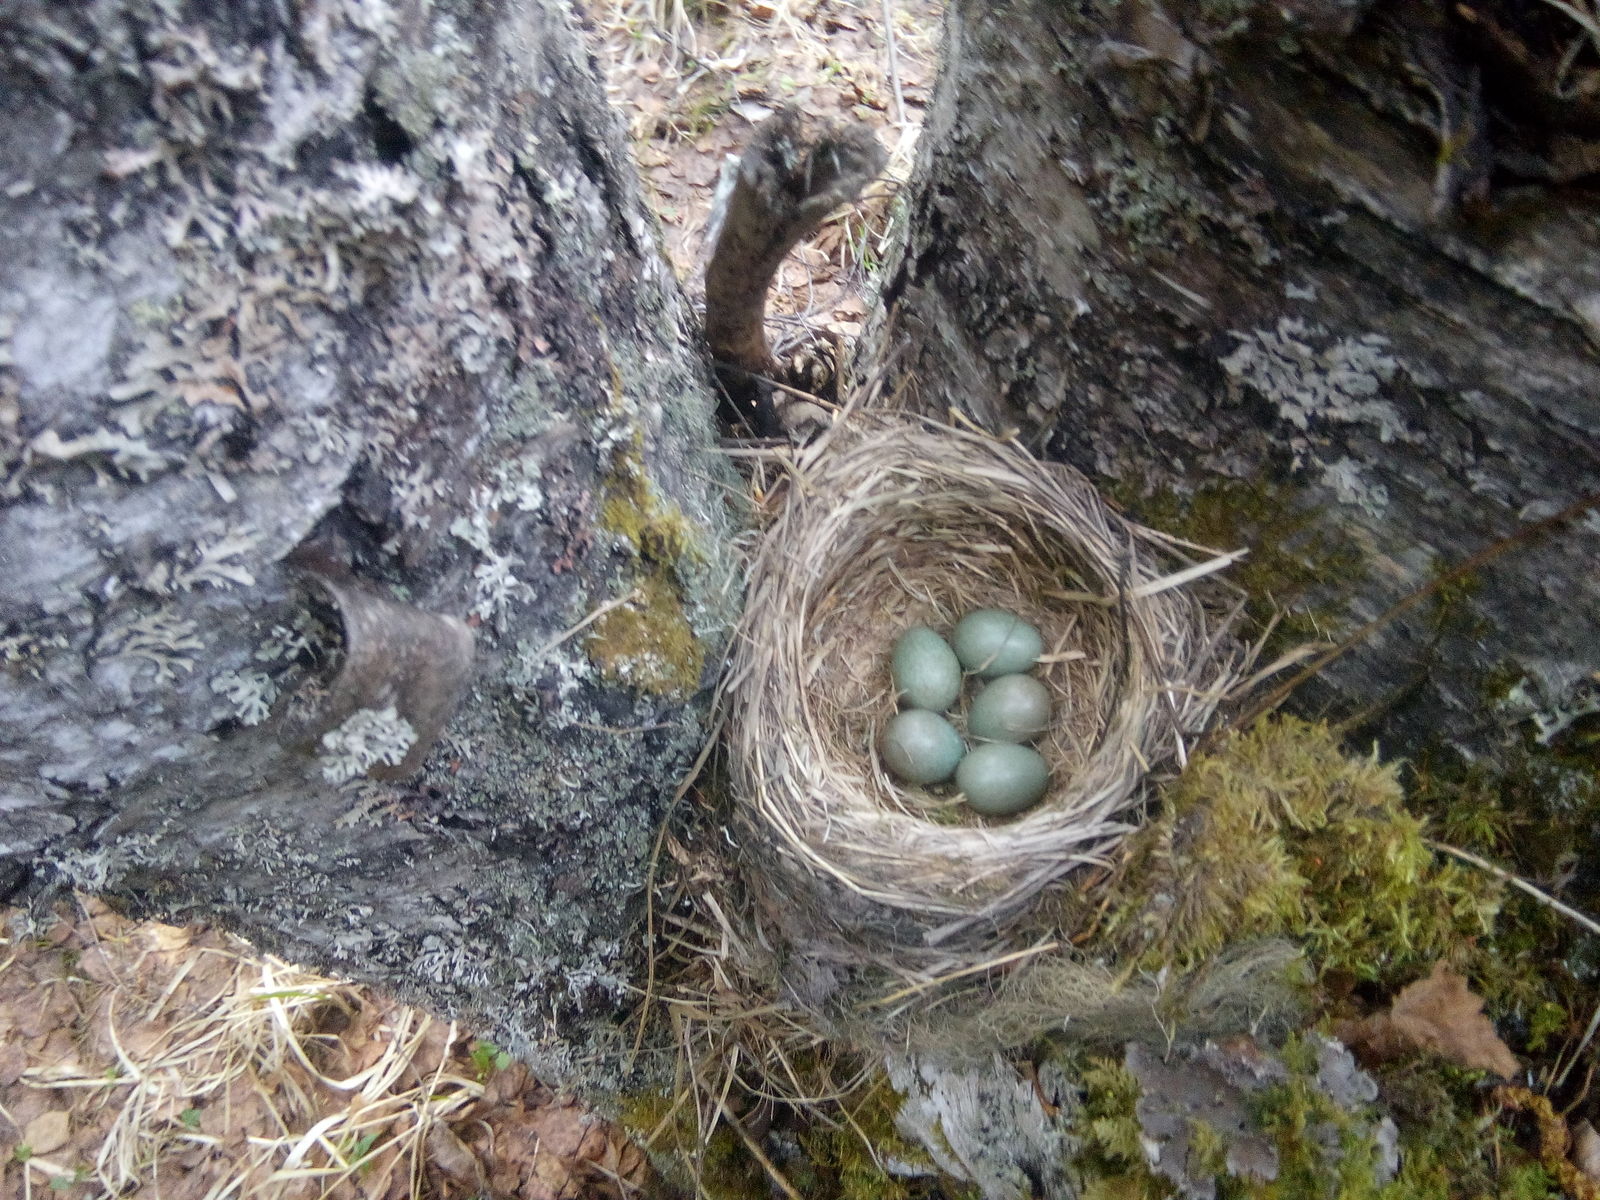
[(843, 1143), (1277, 832), (1108, 1130), (1302, 1120), (848, 1154), (717, 1167), (1325, 1151), (1301, 570), (648, 643)]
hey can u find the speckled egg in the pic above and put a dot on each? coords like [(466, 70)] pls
[(1000, 778), (1013, 708), (992, 642), (926, 672), (920, 747)]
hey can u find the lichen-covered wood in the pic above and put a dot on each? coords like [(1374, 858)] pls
[(1204, 242), (345, 395)]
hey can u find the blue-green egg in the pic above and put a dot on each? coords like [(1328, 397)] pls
[(992, 642), (1013, 708), (920, 747), (926, 671), (1000, 778)]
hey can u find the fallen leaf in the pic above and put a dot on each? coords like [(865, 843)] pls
[(48, 1132), (1586, 1149), (451, 1155), (1438, 1014)]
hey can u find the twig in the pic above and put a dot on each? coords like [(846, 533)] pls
[(1583, 1044), (760, 1155), (1003, 960), (894, 62), (1565, 910), (651, 876), (583, 624), (1516, 881)]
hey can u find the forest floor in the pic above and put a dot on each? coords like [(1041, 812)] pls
[(179, 1061)]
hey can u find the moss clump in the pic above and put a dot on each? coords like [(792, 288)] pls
[(848, 1154), (1111, 1158), (1300, 569), (1277, 832), (648, 643), (717, 1167), (1325, 1149)]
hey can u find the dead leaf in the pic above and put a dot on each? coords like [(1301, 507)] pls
[(48, 1132), (451, 1155), (1586, 1149), (1439, 1014)]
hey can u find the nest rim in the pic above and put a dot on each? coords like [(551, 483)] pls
[(808, 786)]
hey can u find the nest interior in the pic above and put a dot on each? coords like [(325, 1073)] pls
[(891, 522)]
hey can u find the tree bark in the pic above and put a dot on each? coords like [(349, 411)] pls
[(1298, 243), (350, 428)]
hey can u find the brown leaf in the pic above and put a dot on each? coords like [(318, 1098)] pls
[(451, 1155), (48, 1132), (1586, 1149), (1439, 1014)]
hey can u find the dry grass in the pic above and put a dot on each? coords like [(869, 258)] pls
[(892, 521), (180, 1064)]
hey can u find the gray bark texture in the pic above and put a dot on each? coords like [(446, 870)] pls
[(340, 378), (1241, 241)]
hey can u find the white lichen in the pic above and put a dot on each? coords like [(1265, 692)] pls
[(285, 643), (496, 587), (129, 456), (30, 652), (516, 484), (367, 738), (250, 692), (378, 187), (474, 528), (1348, 483), (1553, 698), (414, 490), (163, 639), (1335, 382), (213, 563)]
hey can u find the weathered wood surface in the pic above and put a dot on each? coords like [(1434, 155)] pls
[(340, 376), (1216, 242)]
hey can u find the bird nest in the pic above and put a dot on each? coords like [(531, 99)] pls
[(889, 522)]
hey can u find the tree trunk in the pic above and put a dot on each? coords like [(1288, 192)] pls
[(350, 432), (1301, 244)]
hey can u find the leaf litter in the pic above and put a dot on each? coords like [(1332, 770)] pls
[(179, 1063)]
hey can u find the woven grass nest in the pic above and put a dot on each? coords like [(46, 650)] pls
[(893, 521)]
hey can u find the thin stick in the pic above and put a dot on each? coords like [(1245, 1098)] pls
[(1516, 881), (760, 1155), (1003, 960), (1545, 898), (1583, 1044), (894, 62), (583, 624)]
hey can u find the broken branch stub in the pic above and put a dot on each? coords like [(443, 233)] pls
[(790, 177), (394, 656)]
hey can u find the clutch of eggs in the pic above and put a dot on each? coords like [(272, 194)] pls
[(1000, 776)]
